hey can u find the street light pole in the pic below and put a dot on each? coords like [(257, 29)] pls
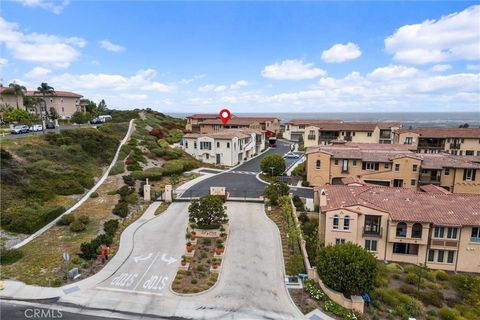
[(271, 168)]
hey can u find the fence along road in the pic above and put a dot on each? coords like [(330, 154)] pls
[(86, 196)]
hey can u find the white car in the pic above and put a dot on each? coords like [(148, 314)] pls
[(36, 127), (291, 155)]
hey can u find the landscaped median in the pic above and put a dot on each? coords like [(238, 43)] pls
[(205, 246)]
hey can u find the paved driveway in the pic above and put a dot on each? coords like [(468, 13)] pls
[(241, 181), (250, 286)]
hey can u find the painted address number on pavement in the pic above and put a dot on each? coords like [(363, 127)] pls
[(124, 280), (156, 283)]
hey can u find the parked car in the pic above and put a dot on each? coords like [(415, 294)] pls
[(21, 128), (50, 125), (291, 155), (105, 117), (36, 127), (97, 121)]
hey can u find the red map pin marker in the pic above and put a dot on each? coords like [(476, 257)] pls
[(225, 115)]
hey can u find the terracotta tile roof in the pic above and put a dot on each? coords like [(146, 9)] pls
[(66, 94), (373, 152), (225, 134), (337, 125), (377, 152), (431, 188), (233, 121), (407, 205), (445, 160), (444, 132)]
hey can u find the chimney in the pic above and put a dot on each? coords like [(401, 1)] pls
[(323, 198)]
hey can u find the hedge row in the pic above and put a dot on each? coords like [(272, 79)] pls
[(30, 218), (89, 250)]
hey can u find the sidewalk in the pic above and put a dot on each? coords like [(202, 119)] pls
[(20, 291)]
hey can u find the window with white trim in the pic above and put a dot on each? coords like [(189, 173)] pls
[(335, 221)]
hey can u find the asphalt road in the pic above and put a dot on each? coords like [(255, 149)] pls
[(241, 181), (58, 129)]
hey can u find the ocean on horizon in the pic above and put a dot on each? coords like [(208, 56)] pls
[(407, 119)]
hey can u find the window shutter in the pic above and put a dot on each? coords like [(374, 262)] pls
[(473, 174), (464, 174), (364, 165), (376, 166)]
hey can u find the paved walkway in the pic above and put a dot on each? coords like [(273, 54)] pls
[(86, 196)]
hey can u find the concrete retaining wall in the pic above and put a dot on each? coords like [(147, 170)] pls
[(354, 303)]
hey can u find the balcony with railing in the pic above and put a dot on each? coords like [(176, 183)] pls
[(431, 143), (385, 135), (372, 231), (427, 179), (475, 239), (348, 138), (454, 145)]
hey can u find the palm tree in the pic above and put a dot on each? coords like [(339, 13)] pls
[(45, 90), (30, 102), (17, 90)]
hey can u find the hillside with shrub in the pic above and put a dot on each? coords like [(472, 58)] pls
[(36, 171)]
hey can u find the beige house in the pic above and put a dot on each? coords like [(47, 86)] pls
[(323, 132), (392, 166), (401, 225), (65, 103), (207, 123), (456, 141), (227, 147)]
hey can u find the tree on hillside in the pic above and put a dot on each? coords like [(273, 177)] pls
[(102, 107), (44, 90), (17, 90), (53, 113), (275, 190), (465, 125), (80, 117), (347, 268), (273, 164), (16, 116), (208, 211), (90, 107)]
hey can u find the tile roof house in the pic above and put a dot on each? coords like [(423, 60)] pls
[(439, 229)]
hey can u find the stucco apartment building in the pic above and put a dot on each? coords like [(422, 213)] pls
[(392, 166), (66, 103), (322, 132), (401, 225), (226, 147), (456, 141), (207, 123)]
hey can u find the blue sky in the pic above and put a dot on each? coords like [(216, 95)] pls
[(249, 56)]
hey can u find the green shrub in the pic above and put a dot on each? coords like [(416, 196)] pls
[(194, 281), (275, 161), (66, 219), (94, 194), (134, 167), (9, 256), (411, 278), (129, 180), (131, 198), (448, 314), (118, 168), (347, 268), (152, 174), (84, 219), (30, 218), (441, 275), (110, 227), (77, 226), (394, 267), (121, 209), (405, 305), (162, 143)]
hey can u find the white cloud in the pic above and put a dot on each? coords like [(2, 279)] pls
[(441, 67), (40, 48), (239, 84), (38, 72), (212, 88), (452, 37), (392, 72), (3, 61), (107, 45), (136, 96), (473, 67), (54, 6), (341, 52), (292, 70)]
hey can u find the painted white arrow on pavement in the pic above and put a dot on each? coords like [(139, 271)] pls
[(169, 260), (140, 258)]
